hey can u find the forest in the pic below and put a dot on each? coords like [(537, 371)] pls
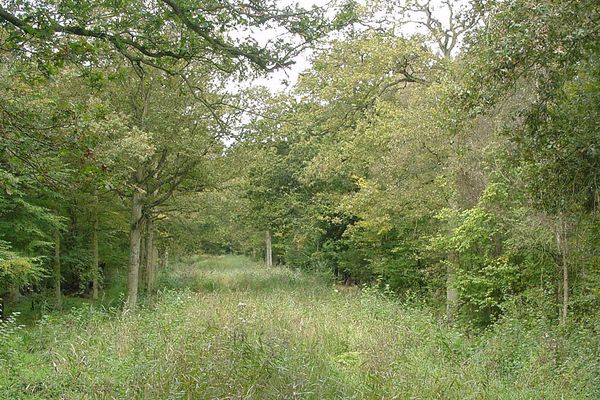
[(266, 199)]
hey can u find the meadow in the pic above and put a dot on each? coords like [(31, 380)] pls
[(230, 328)]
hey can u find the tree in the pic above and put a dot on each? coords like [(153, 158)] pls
[(169, 34), (178, 39), (533, 44)]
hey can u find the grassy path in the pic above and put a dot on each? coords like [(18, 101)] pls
[(228, 328)]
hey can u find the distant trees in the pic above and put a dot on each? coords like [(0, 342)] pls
[(552, 49), (459, 163), (137, 107), (471, 173)]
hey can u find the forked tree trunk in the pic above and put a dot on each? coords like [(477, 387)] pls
[(95, 261), (134, 248), (56, 270), (269, 249)]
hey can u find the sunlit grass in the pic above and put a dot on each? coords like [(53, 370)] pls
[(229, 328)]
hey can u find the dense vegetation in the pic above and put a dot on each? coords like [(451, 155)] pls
[(441, 156), (225, 327)]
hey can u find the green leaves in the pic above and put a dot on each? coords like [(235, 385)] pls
[(168, 35), (17, 271)]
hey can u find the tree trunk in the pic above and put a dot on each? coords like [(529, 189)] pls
[(14, 294), (149, 257), (134, 248), (142, 267), (95, 261), (561, 243), (451, 290), (269, 249), (452, 296), (56, 270), (154, 274)]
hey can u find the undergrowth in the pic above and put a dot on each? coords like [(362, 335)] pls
[(229, 328)]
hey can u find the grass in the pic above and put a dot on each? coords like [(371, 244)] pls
[(31, 308), (229, 328)]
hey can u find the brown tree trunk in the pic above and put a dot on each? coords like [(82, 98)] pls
[(152, 283), (95, 261), (56, 270), (269, 249), (135, 234), (14, 294), (562, 245), (149, 250), (452, 297), (142, 267)]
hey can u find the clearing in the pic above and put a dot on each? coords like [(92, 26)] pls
[(230, 328)]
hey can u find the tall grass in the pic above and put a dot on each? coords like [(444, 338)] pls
[(228, 328)]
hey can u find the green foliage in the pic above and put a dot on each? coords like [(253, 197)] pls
[(384, 145), (165, 35), (487, 274), (273, 333), (17, 271), (397, 164)]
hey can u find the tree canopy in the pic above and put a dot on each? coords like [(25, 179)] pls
[(438, 148)]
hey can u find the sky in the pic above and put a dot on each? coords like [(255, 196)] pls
[(279, 80), (285, 78)]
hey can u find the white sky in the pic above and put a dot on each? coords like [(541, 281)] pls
[(284, 79), (279, 80)]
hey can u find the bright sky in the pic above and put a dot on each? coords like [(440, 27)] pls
[(276, 80), (285, 78)]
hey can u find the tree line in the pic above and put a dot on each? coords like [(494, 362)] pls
[(447, 151)]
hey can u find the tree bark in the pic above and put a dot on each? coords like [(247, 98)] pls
[(14, 294), (452, 297), (95, 261), (149, 257), (154, 274), (134, 248), (142, 267), (269, 249), (561, 242), (56, 270)]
